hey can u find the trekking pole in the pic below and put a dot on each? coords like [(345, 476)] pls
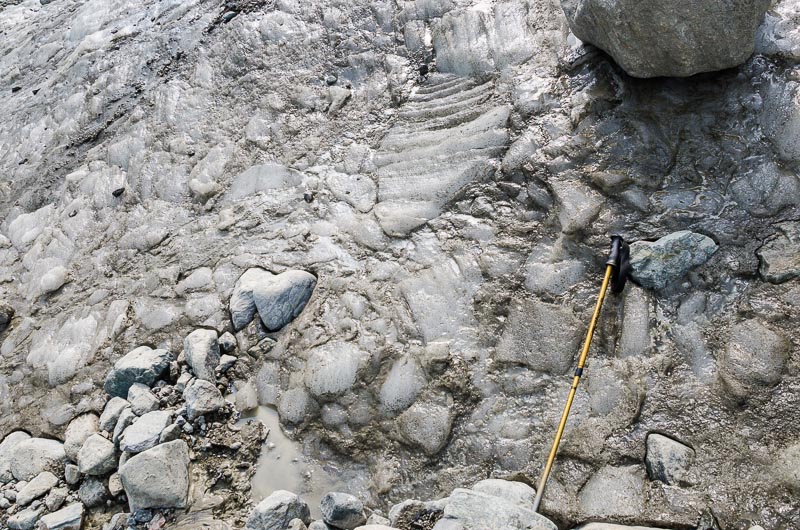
[(617, 269)]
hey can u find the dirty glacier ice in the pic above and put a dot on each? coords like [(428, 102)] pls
[(449, 171)]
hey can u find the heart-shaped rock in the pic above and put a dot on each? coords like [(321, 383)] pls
[(277, 298)]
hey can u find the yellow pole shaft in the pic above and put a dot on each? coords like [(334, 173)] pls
[(575, 380)]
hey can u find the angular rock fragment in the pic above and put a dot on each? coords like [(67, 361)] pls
[(111, 413), (141, 399), (276, 511), (93, 492), (69, 518), (342, 510), (202, 398), (655, 38), (37, 487), (144, 433), (657, 264), (754, 358), (77, 432), (472, 510), (97, 456), (779, 256), (667, 460), (142, 365), (158, 477), (202, 353), (25, 519)]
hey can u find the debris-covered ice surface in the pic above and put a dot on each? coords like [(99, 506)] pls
[(387, 221)]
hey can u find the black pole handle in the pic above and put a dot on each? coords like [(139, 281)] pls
[(619, 258)]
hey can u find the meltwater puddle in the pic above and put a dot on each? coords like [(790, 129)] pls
[(283, 466)]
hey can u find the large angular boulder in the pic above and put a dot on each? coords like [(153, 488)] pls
[(277, 511), (342, 510), (142, 365), (145, 432), (278, 299), (651, 38), (69, 518), (202, 353), (78, 430), (37, 487), (202, 398), (158, 477), (667, 460), (97, 456), (658, 263), (472, 510)]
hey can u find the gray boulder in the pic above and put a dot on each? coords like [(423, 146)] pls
[(111, 412), (142, 365), (613, 492), (34, 455), (97, 456), (754, 358), (276, 511), (202, 398), (651, 38), (278, 299), (144, 433), (667, 460), (659, 263), (6, 447), (37, 487), (142, 400), (158, 477), (93, 492), (77, 432), (517, 492), (202, 353), (426, 425), (242, 306), (25, 520), (779, 256), (342, 510), (69, 518), (126, 419), (283, 297), (472, 510)]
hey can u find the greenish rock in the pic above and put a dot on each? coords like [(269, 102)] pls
[(656, 264)]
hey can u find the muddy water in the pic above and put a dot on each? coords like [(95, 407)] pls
[(284, 466)]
